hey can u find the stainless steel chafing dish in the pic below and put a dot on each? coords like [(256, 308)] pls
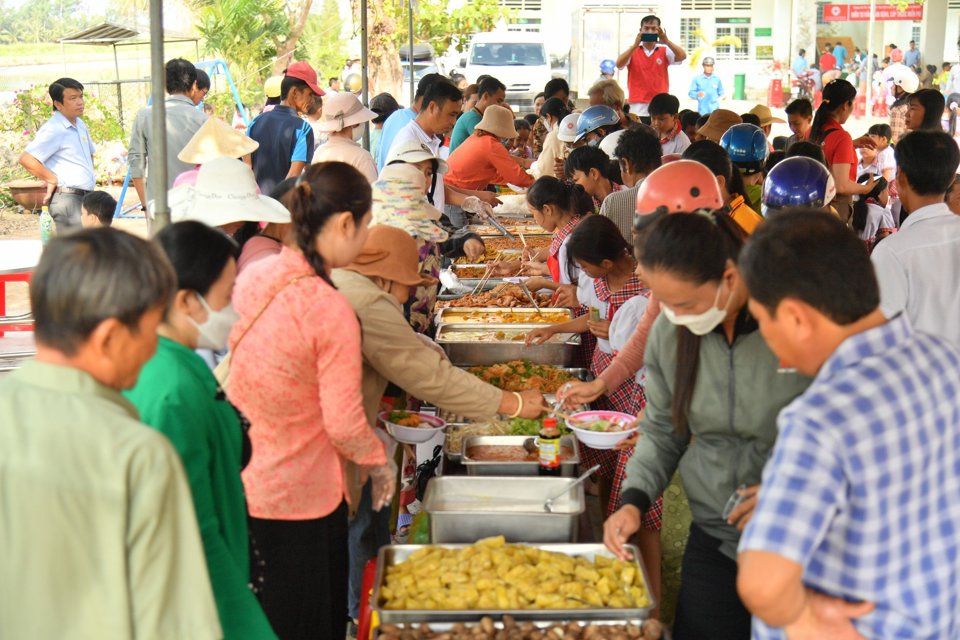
[(503, 316), (470, 345), (465, 509), (391, 555), (568, 468)]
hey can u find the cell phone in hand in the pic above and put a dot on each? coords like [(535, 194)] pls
[(649, 37)]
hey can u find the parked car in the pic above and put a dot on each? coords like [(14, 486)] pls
[(424, 62), (518, 60)]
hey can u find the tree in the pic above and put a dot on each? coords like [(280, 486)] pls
[(245, 33), (433, 23), (297, 12), (321, 42)]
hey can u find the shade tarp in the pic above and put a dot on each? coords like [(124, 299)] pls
[(105, 34)]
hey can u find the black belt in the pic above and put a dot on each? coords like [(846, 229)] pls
[(72, 192)]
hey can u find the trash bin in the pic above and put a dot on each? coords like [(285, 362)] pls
[(739, 82)]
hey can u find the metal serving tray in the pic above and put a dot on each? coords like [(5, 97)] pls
[(560, 351), (568, 468), (467, 509), (395, 554), (527, 227), (583, 375), (444, 315), (488, 284)]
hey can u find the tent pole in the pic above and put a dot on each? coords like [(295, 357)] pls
[(364, 69), (868, 111), (158, 117), (410, 59), (116, 67)]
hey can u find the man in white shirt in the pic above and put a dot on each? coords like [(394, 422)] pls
[(917, 266), (61, 154), (436, 119)]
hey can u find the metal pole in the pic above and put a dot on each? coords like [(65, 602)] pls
[(410, 60), (873, 12), (157, 158), (364, 61), (116, 67)]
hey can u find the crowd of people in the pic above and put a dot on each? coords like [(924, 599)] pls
[(195, 452)]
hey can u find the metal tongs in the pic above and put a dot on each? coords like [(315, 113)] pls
[(488, 216), (530, 297), (499, 227)]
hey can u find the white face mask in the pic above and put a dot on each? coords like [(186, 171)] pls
[(358, 133), (703, 323), (215, 330), (546, 123)]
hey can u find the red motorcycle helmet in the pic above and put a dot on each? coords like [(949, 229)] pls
[(682, 186)]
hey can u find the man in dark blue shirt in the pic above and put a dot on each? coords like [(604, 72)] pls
[(286, 140)]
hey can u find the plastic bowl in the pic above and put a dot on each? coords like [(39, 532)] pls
[(413, 435), (602, 439)]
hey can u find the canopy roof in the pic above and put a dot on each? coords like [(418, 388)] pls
[(105, 34), (112, 34)]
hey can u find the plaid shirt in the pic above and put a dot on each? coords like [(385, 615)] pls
[(862, 489), (898, 122)]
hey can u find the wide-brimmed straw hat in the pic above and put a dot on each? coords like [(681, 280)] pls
[(766, 116), (344, 110), (225, 192), (398, 201), (391, 253), (718, 123), (498, 121), (216, 139)]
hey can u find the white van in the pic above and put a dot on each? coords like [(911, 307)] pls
[(518, 60)]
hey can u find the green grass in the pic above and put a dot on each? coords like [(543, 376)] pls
[(28, 53)]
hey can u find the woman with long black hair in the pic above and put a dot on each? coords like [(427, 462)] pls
[(839, 147), (925, 111), (713, 394)]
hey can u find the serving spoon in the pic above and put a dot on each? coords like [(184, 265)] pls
[(548, 503)]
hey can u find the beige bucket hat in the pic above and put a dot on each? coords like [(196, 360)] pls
[(498, 121)]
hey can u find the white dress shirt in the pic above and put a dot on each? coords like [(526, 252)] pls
[(917, 270), (413, 131)]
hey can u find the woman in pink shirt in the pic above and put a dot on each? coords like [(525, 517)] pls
[(295, 373)]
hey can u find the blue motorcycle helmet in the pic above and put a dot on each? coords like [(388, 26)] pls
[(607, 67), (797, 182), (746, 144), (594, 118)]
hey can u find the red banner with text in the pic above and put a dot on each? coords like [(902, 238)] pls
[(861, 12)]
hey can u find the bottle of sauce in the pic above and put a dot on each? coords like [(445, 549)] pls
[(47, 227), (549, 446)]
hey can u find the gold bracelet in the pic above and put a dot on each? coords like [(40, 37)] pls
[(516, 414)]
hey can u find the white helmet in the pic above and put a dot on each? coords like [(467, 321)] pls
[(567, 131), (904, 77)]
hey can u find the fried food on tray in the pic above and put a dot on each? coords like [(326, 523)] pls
[(471, 272), (511, 249), (492, 575), (503, 296), (521, 375), (529, 316)]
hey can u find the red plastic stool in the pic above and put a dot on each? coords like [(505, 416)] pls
[(366, 624), (4, 279)]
